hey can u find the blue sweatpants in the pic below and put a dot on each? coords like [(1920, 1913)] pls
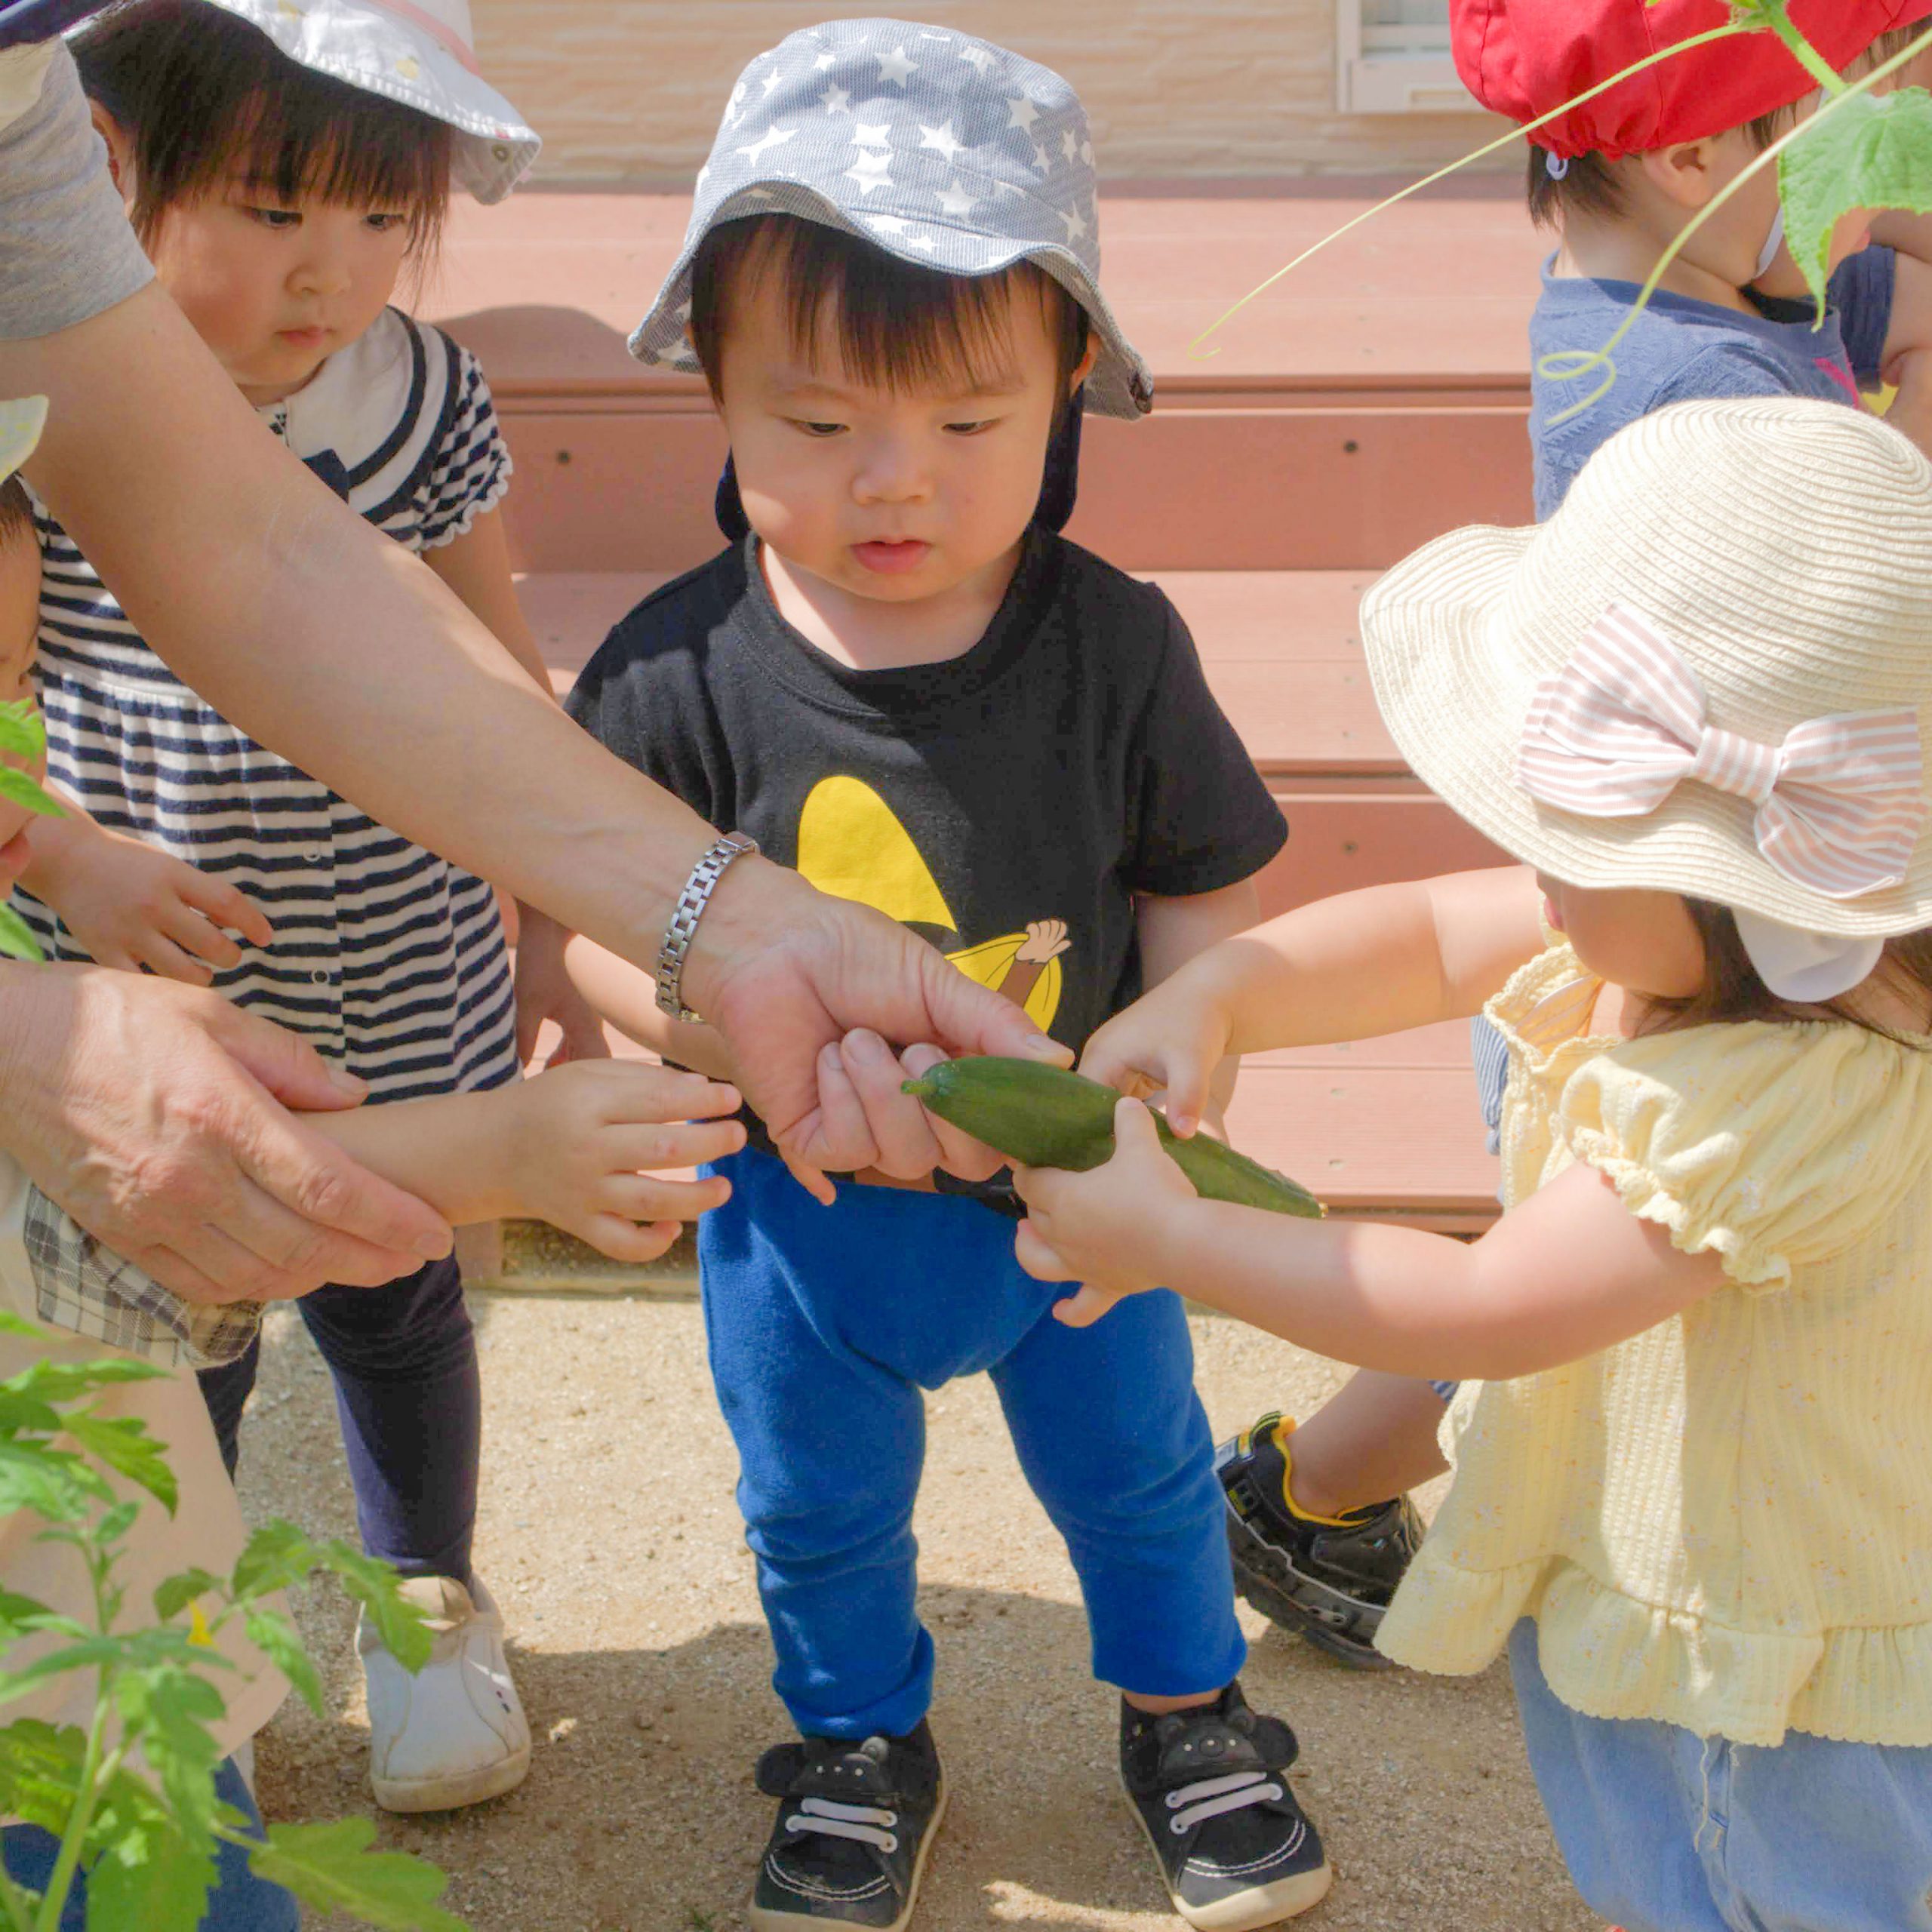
[(825, 1323)]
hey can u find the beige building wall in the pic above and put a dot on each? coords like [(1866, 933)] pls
[(630, 91)]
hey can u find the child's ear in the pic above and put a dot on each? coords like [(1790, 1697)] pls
[(1084, 366), (1686, 174), (120, 151)]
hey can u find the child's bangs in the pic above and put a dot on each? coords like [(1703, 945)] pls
[(889, 324), (204, 96), (339, 145)]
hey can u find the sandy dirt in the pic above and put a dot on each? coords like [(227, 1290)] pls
[(610, 1537)]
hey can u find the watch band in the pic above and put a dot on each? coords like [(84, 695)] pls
[(690, 908)]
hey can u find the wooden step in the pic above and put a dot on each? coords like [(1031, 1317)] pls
[(1363, 405)]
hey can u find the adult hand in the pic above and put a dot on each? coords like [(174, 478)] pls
[(149, 1111), (784, 972)]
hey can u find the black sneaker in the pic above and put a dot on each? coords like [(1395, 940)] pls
[(1327, 1582), (1210, 1788), (849, 1845)]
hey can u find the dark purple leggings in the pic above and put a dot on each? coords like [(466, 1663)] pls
[(406, 1388)]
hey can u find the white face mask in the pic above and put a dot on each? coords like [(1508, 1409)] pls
[(1773, 242), (1808, 967)]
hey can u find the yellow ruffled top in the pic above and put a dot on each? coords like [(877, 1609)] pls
[(1724, 1523)]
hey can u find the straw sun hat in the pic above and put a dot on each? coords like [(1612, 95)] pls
[(1708, 673)]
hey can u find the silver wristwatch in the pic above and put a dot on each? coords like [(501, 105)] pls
[(692, 903)]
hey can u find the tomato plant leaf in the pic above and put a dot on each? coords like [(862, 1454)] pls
[(23, 735), (278, 1556), (151, 1878), (1869, 152), (16, 938), (125, 1445), (403, 1628), (175, 1594), (331, 1868), (17, 786), (40, 1772), (276, 1637)]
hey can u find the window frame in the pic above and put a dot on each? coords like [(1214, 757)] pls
[(1395, 70)]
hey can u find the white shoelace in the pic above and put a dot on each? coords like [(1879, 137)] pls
[(834, 1820), (1193, 1804)]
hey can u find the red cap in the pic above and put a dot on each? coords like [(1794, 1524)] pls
[(1524, 57)]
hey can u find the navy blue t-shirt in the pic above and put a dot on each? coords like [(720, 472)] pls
[(1681, 350)]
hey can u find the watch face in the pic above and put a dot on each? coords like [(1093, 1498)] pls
[(24, 20)]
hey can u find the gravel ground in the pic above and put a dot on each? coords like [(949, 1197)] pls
[(610, 1537)]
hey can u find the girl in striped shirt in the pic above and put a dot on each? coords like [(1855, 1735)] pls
[(282, 187)]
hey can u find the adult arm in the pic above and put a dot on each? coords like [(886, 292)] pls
[(332, 645), (156, 1114)]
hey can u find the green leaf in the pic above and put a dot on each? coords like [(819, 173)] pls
[(163, 1862), (125, 1444), (40, 1772), (53, 1483), (173, 1595), (169, 1708), (331, 1868), (403, 1628), (150, 1879), (16, 938), (277, 1557), (16, 785), (1866, 151), (276, 1637), (23, 735)]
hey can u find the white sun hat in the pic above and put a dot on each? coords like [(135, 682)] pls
[(421, 52), (1709, 673)]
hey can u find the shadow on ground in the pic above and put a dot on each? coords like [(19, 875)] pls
[(609, 1532)]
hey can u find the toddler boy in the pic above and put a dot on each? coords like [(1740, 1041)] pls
[(902, 680)]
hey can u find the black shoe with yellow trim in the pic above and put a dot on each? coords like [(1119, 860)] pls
[(1327, 1579)]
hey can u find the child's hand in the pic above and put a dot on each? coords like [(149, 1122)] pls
[(544, 992), (1100, 1228), (587, 1135), (133, 906), (1169, 1043)]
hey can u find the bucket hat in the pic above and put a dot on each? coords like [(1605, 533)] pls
[(1525, 58), (421, 52), (1706, 674), (943, 150)]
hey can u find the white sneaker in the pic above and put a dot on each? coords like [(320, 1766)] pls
[(455, 1734)]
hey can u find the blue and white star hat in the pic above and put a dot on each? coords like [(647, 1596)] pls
[(945, 151)]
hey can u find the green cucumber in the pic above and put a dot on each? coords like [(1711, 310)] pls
[(1045, 1116)]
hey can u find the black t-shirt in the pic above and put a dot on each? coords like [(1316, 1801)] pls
[(1008, 804)]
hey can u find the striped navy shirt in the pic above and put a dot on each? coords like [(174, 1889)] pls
[(386, 957)]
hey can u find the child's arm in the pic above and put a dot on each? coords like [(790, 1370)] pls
[(1568, 1273), (1366, 963), (626, 997), (574, 1146), (1173, 931), (131, 905)]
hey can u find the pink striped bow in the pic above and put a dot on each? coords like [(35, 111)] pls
[(1840, 803)]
